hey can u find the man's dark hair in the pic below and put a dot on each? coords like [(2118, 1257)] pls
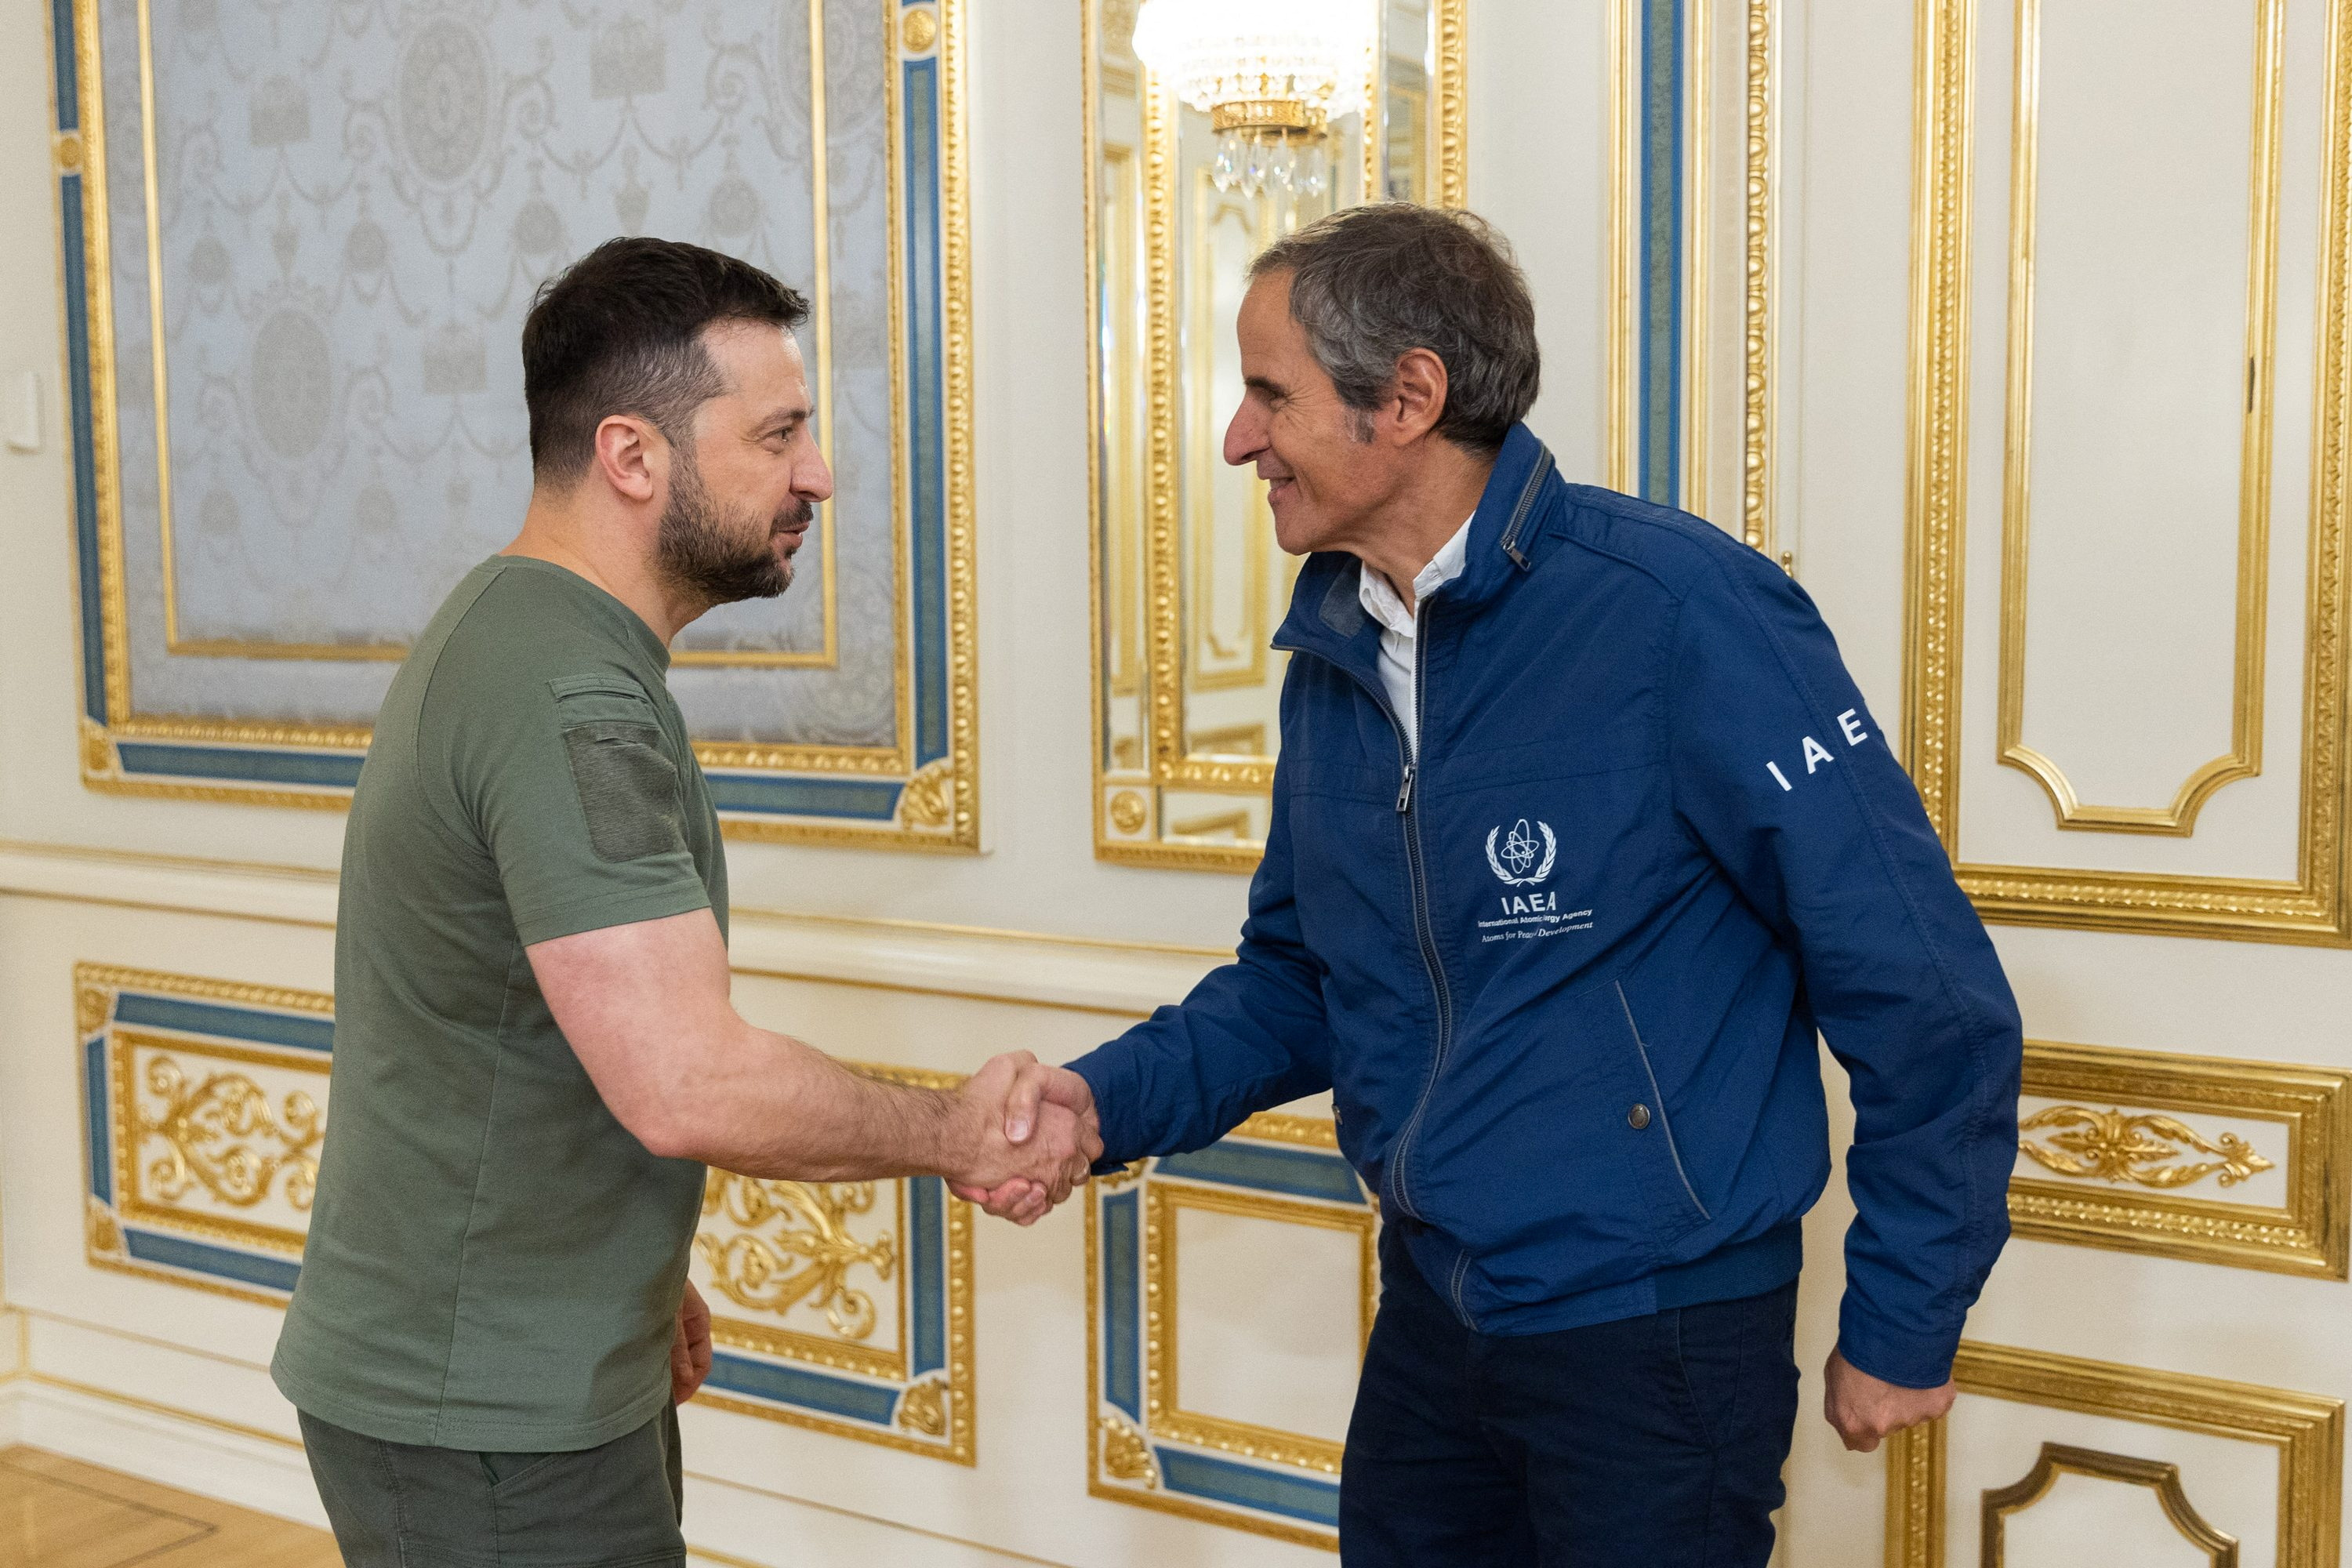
[(1369, 283), (619, 331)]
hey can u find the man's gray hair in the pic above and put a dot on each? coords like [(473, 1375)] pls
[(1371, 283)]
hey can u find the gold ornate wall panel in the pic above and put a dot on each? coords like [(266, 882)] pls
[(203, 1104), (2167, 863), (2206, 1159), (2207, 1498), (1219, 1434), (270, 333), (1188, 580), (842, 1307)]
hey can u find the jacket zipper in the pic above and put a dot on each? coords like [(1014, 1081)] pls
[(1665, 1122), (1424, 930)]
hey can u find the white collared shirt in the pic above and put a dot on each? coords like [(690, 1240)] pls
[(1400, 625)]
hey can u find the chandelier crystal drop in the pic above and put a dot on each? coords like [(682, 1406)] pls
[(1271, 75)]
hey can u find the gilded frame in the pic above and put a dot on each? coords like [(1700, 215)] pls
[(2058, 1459), (922, 1398), (2244, 758), (922, 792), (2316, 907), (2311, 1235), (2306, 1428), (1126, 823), (1662, 234), (118, 1011), (1143, 1447)]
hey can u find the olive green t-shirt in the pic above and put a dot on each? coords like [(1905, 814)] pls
[(494, 1261)]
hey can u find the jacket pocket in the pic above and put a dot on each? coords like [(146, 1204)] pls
[(1653, 1110)]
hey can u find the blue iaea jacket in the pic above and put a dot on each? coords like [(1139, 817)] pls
[(1563, 970)]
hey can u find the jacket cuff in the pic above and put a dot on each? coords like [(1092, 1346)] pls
[(1900, 1356), (1113, 1111)]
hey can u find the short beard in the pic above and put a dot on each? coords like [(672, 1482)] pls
[(700, 552)]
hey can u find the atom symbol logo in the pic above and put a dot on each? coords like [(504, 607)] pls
[(1512, 859), (1520, 849)]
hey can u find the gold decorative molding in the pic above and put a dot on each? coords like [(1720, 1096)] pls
[(1121, 1464), (1698, 225), (2312, 907), (2306, 1429), (2244, 758), (924, 1408), (2057, 1459), (1756, 396), (203, 1143), (1126, 1456), (930, 797), (220, 1132), (108, 978), (2131, 1197), (216, 1138), (1452, 18), (103, 1233), (920, 30), (2110, 1145), (1943, 140), (806, 1258), (1130, 812), (1282, 1127), (1162, 1392)]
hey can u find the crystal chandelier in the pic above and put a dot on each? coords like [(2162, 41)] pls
[(1271, 75)]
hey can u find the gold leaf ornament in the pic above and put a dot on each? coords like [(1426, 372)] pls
[(1127, 1456), (94, 1004), (2111, 1146), (924, 1408), (928, 799), (805, 1257), (222, 1134)]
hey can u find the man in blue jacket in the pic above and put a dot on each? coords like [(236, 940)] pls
[(1580, 832)]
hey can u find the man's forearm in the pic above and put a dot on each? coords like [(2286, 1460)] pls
[(765, 1104)]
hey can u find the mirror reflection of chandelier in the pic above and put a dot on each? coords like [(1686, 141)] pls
[(1272, 76)]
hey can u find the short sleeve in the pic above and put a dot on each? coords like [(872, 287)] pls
[(581, 806)]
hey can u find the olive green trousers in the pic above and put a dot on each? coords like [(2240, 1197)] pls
[(396, 1505)]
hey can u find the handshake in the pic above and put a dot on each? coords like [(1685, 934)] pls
[(1025, 1134)]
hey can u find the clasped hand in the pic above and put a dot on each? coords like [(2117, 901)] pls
[(1030, 1135)]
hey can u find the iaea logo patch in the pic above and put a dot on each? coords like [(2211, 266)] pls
[(1514, 861)]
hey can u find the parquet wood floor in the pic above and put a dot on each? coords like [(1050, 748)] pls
[(60, 1513)]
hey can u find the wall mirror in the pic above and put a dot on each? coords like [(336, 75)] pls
[(1214, 128)]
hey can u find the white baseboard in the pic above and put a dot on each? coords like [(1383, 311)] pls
[(249, 1471)]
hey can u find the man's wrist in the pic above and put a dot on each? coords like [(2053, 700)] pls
[(962, 1139)]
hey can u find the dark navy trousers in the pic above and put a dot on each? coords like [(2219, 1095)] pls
[(1655, 1440)]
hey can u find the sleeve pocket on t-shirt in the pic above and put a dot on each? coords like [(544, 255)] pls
[(628, 789)]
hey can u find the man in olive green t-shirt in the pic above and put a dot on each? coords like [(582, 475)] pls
[(535, 1055)]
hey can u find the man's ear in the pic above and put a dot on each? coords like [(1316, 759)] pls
[(630, 456), (1416, 397)]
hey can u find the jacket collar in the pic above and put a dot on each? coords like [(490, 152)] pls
[(1326, 616)]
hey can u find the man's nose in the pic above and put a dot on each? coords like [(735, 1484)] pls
[(815, 481), (1245, 436)]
